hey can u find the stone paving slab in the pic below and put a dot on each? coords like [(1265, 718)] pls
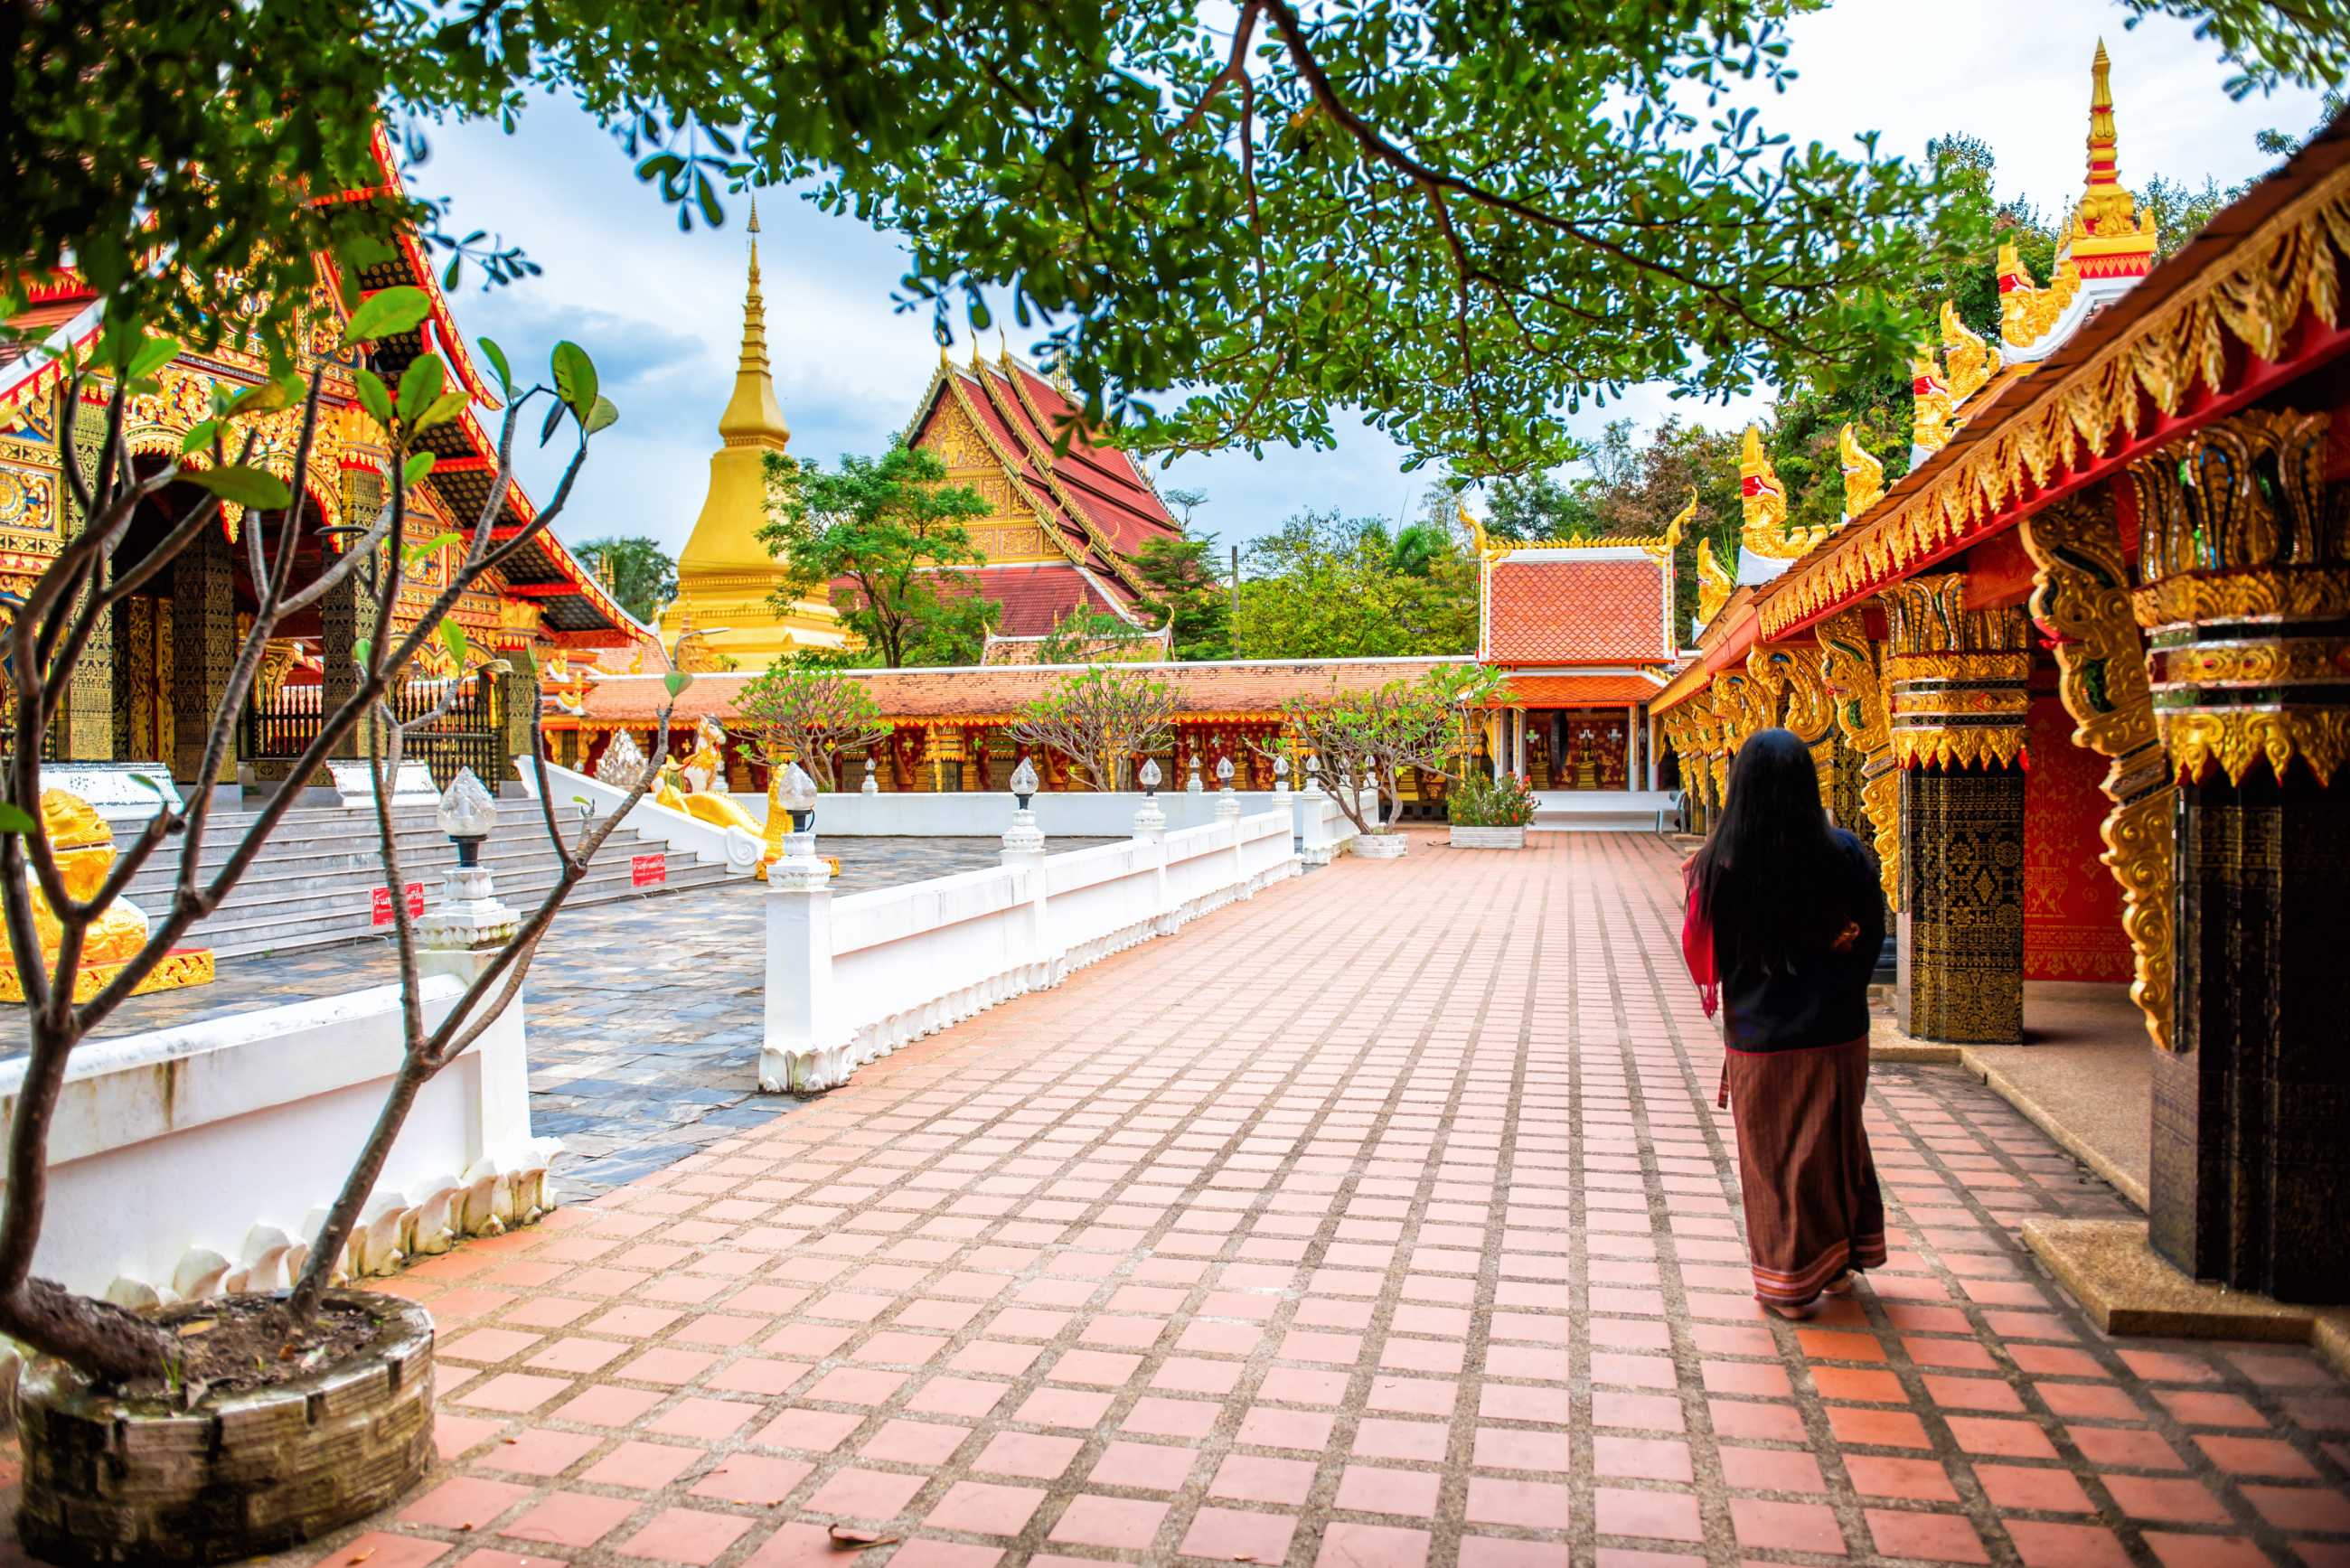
[(644, 1013), (1386, 1218)]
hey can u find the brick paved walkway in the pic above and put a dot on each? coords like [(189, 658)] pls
[(1383, 1219)]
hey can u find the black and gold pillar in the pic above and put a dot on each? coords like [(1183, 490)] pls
[(516, 699), (83, 729), (203, 652), (2244, 597), (1958, 679)]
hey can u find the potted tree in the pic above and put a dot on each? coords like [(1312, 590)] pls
[(1488, 813), (236, 1426)]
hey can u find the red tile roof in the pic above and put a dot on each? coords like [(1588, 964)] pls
[(1576, 611), (1035, 597), (1579, 690)]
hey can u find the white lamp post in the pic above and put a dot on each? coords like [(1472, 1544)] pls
[(1281, 775), (1150, 822), (1228, 804), (1023, 837), (871, 787), (1192, 784), (799, 870), (1313, 775), (470, 916)]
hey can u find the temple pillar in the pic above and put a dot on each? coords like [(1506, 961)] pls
[(516, 697), (203, 652), (83, 729), (1960, 698), (345, 614), (2244, 597)]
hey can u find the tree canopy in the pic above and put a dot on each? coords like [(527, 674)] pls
[(1467, 219), (894, 536), (1326, 586), (641, 574)]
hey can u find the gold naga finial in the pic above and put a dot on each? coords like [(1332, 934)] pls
[(1682, 520), (1482, 542), (1762, 499), (1003, 347), (1971, 360), (1930, 418), (1864, 475), (1713, 584)]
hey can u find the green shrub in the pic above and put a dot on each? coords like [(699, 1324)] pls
[(1478, 801)]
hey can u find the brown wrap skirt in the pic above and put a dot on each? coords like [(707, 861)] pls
[(1813, 1209)]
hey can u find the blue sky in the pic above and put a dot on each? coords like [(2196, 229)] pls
[(661, 311)]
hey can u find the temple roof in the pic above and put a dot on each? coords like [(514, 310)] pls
[(1097, 506), (1251, 689), (1577, 604)]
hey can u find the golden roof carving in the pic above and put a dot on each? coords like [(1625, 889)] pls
[(1763, 501), (2104, 237), (1713, 582), (1864, 475), (1929, 417), (1971, 360)]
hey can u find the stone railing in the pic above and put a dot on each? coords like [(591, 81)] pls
[(707, 842), (851, 979), (200, 1159)]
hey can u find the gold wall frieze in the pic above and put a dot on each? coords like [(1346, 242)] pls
[(2254, 294), (1850, 669)]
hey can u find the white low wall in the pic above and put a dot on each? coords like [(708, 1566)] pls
[(195, 1160), (852, 979), (706, 841), (985, 814)]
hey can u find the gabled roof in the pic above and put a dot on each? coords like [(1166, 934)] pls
[(1096, 507), (1577, 606)]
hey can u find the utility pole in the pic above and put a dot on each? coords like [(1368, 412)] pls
[(1236, 591)]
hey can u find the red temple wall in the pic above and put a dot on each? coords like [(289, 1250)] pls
[(2071, 906)]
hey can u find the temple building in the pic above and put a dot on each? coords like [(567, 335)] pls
[(2082, 678), (1066, 520), (725, 615), (161, 657)]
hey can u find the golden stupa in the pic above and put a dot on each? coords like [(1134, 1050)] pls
[(725, 576)]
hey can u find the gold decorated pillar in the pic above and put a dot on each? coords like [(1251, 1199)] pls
[(2244, 600), (1959, 690), (203, 652)]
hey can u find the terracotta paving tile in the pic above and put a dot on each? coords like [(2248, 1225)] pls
[(1413, 1237)]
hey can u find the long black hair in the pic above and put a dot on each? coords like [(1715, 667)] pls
[(1770, 880)]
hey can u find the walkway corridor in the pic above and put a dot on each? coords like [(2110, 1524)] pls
[(1384, 1219)]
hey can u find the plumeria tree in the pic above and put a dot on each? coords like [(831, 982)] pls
[(1364, 740), (809, 715), (47, 641), (1099, 720)]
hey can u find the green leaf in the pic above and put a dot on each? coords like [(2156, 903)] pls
[(419, 550), (373, 398), (386, 313), (452, 637), (497, 359), (150, 783), (677, 680), (420, 385), (602, 415), (445, 407), (151, 356), (555, 412), (246, 485), (200, 435), (265, 399), (419, 464), (575, 378), (14, 818), (362, 649)]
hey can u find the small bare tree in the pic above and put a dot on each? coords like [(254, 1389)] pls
[(1367, 738), (51, 634), (809, 715), (1100, 718)]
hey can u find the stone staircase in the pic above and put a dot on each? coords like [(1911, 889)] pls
[(315, 883)]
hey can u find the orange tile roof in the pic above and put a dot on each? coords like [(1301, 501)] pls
[(997, 691), (1575, 612), (1579, 690)]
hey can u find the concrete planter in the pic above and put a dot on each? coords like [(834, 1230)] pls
[(1487, 837), (1378, 845), (118, 1480)]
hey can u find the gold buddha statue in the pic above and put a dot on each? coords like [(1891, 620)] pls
[(84, 846)]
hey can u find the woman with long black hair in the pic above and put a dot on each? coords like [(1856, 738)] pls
[(1786, 918)]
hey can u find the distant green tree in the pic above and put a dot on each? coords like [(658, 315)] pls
[(1083, 636), (643, 577), (886, 538), (1188, 594), (1328, 586)]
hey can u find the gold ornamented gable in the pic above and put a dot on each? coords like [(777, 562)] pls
[(1864, 475)]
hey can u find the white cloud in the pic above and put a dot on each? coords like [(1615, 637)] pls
[(663, 309)]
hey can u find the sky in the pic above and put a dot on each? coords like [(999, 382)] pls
[(661, 311)]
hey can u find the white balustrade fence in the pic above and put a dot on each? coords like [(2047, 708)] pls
[(851, 979)]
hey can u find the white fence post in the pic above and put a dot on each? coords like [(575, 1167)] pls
[(802, 1050), (1024, 854)]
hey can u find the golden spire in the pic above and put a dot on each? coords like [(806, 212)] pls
[(753, 416), (2106, 207)]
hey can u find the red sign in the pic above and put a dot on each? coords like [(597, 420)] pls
[(380, 904), (647, 870)]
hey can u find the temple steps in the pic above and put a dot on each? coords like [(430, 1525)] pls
[(314, 884)]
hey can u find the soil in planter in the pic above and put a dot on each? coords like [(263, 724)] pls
[(235, 1344)]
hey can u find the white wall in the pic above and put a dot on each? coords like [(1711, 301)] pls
[(851, 979), (189, 1160), (706, 841)]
